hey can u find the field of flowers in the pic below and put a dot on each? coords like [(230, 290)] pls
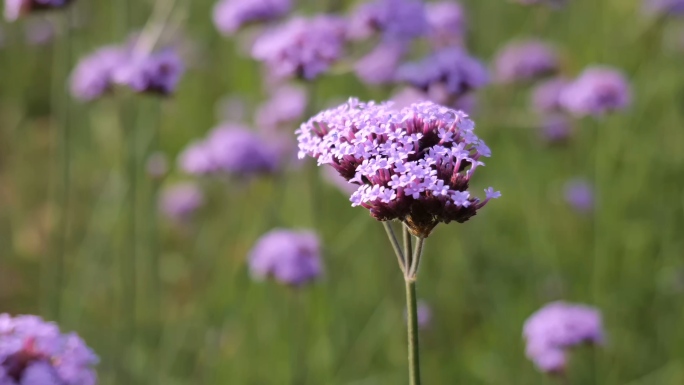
[(202, 192)]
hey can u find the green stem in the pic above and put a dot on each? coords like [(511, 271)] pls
[(407, 249), (417, 253), (412, 317), (395, 246)]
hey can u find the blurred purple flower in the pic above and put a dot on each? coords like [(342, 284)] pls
[(380, 65), (231, 15), (35, 352), (437, 94), (546, 96), (301, 47), (412, 164), (597, 91), (179, 201), (287, 256), (447, 23), (15, 9), (286, 106), (156, 72), (580, 195), (92, 77), (525, 60), (394, 19), (555, 128), (157, 165), (39, 31), (451, 68), (556, 327), (664, 7)]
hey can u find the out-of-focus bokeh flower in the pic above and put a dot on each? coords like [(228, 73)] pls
[(39, 31), (525, 60), (424, 313), (394, 19), (597, 91), (289, 257), (412, 164), (556, 327), (664, 7), (157, 165), (156, 72), (437, 94), (379, 66), (452, 68), (181, 200), (231, 15), (301, 47), (92, 76), (555, 128), (35, 352), (546, 95), (579, 193), (334, 178), (447, 23), (285, 106), (15, 9)]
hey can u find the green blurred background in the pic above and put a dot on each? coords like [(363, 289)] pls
[(168, 304)]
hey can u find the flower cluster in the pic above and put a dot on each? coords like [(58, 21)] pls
[(524, 61), (301, 47), (231, 15), (557, 327), (412, 164), (379, 65), (446, 22), (285, 106), (15, 9), (546, 95), (156, 72), (287, 256), (229, 149), (580, 195), (181, 200), (394, 19), (596, 91), (35, 352)]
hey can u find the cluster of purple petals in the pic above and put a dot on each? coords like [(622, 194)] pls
[(285, 106), (35, 352), (556, 327), (394, 19), (181, 200), (451, 68), (447, 23), (15, 9), (157, 72), (579, 194), (524, 61), (597, 91), (664, 7), (379, 66), (412, 164), (287, 256), (230, 149), (301, 47), (231, 15)]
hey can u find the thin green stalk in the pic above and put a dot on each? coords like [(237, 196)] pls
[(412, 317), (407, 249), (417, 253), (395, 246)]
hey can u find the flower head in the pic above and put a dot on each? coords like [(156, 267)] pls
[(289, 257), (15, 9), (447, 23), (412, 164), (156, 72), (524, 61), (231, 15), (556, 327), (395, 19), (301, 47), (580, 195), (380, 65), (286, 106), (33, 351), (92, 77), (451, 68), (546, 96), (597, 91), (179, 201)]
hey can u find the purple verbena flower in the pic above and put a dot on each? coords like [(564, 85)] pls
[(35, 352), (15, 9), (546, 95), (555, 328), (451, 68), (555, 128), (664, 7), (525, 60), (597, 91), (287, 256), (286, 106), (231, 15), (447, 23), (412, 164), (380, 65), (301, 47), (230, 149), (394, 19), (156, 72), (580, 195), (181, 200), (92, 77)]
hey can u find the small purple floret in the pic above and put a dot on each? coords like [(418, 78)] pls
[(580, 195), (92, 77), (181, 200), (231, 15), (287, 256), (597, 91), (35, 352), (526, 60)]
